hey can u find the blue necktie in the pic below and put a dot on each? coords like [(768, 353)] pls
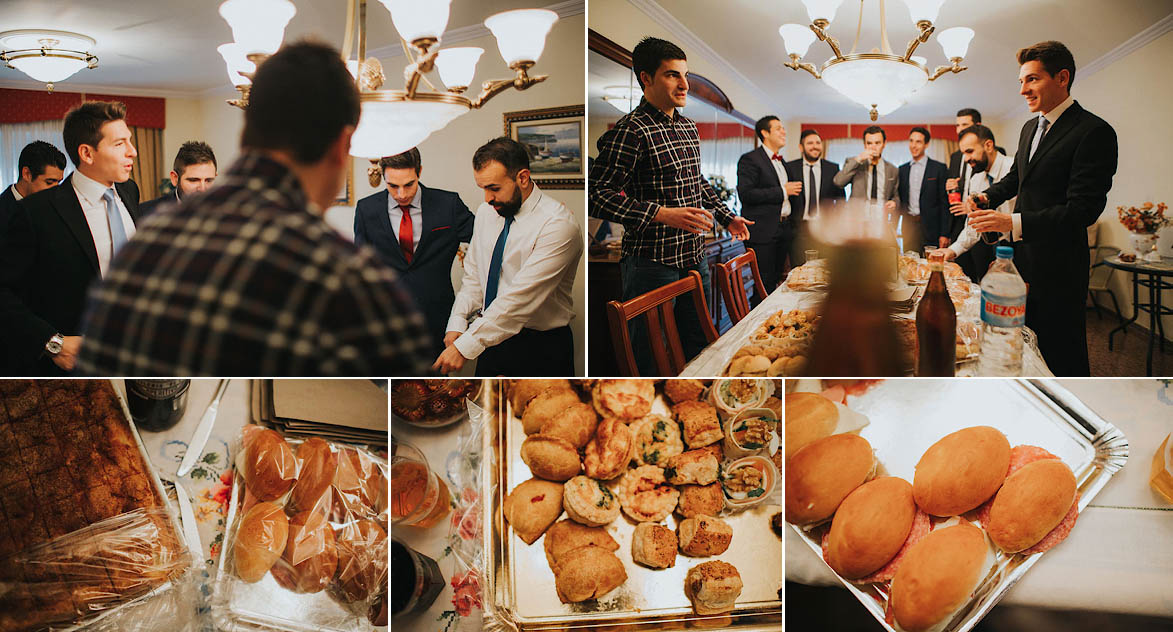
[(117, 230), (495, 264), (1043, 125)]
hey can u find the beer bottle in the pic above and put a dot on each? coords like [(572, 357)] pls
[(936, 324)]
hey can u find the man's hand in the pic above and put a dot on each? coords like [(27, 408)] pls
[(793, 187), (890, 206), (952, 183), (689, 218), (949, 254), (865, 156), (450, 360), (450, 337), (964, 207), (943, 242), (990, 221), (739, 228), (67, 359)]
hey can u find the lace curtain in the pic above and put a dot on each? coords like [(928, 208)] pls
[(15, 136)]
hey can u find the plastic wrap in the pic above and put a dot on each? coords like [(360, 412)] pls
[(313, 557)]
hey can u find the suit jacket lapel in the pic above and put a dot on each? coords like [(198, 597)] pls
[(68, 207), (430, 221), (1065, 124)]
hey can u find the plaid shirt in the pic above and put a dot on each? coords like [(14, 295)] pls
[(245, 280), (647, 161)]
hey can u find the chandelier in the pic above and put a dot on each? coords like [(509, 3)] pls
[(622, 98), (395, 120), (47, 56), (879, 80)]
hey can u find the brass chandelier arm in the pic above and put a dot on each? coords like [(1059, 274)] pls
[(926, 29), (819, 29), (521, 81), (956, 67), (415, 71), (807, 66)]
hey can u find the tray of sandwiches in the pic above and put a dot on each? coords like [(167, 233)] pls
[(930, 499), (633, 504), (87, 532), (809, 277)]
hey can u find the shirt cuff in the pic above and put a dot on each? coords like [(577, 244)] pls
[(457, 323), (956, 250), (469, 346), (1016, 231)]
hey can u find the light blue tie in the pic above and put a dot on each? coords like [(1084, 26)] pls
[(117, 230), (1043, 124), (495, 263)]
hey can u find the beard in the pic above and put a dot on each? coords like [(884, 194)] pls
[(979, 164), (510, 208), (811, 157)]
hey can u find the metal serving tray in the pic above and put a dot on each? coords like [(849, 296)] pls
[(519, 585), (909, 415)]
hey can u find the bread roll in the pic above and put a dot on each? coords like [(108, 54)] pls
[(701, 425), (547, 405), (713, 587), (937, 575), (683, 390), (532, 507), (870, 526), (1032, 502), (588, 572), (749, 365), (318, 464), (610, 450), (703, 536), (550, 458), (269, 467), (567, 535), (310, 557), (589, 502), (362, 560), (260, 539), (809, 417), (696, 500), (575, 423), (522, 391), (821, 475), (359, 485), (961, 471), (653, 545)]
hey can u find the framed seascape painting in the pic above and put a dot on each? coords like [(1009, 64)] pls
[(554, 139)]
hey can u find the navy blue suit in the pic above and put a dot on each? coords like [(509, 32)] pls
[(150, 206), (935, 219), (446, 223)]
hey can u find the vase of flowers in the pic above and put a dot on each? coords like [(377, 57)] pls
[(1143, 224)]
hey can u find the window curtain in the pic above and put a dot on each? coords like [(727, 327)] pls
[(148, 171), (15, 136), (719, 158)]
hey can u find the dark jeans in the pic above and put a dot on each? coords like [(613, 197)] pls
[(530, 353), (641, 276)]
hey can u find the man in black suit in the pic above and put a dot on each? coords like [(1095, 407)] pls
[(1062, 174), (764, 190), (417, 231), (39, 167), (193, 171), (924, 209), (62, 239), (819, 193)]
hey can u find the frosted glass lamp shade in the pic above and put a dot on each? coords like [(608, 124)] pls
[(622, 98), (389, 128), (924, 10), (796, 38), (258, 26), (458, 65), (521, 34), (822, 9), (419, 19), (885, 83), (48, 69), (237, 63), (955, 41), (66, 53)]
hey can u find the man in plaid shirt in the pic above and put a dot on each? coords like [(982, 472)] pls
[(248, 279), (647, 177)]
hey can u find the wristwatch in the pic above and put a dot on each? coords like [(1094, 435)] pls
[(54, 344)]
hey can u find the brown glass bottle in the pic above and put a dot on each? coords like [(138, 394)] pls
[(156, 404), (936, 325), (856, 336)]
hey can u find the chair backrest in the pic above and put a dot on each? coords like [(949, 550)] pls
[(731, 282), (663, 336)]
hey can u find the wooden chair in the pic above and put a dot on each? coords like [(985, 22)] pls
[(657, 306), (731, 283)]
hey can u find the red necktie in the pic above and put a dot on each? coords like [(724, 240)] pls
[(776, 157), (406, 242)]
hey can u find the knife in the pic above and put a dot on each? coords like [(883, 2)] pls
[(195, 447), (186, 517)]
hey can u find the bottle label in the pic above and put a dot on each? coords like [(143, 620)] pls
[(1003, 311)]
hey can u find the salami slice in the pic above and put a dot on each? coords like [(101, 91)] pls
[(1059, 533), (1020, 455), (921, 525)]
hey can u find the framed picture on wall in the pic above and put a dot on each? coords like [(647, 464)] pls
[(345, 197), (554, 139)]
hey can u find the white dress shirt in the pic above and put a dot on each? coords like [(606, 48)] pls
[(16, 194), (811, 173), (916, 178), (417, 217), (780, 170), (977, 184), (540, 261), (89, 195)]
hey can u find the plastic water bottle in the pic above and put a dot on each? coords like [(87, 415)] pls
[(1003, 316)]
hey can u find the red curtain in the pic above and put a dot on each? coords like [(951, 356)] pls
[(25, 106)]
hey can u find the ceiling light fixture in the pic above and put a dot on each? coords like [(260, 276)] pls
[(622, 98), (47, 56), (879, 80)]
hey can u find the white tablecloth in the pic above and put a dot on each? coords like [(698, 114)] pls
[(1119, 557)]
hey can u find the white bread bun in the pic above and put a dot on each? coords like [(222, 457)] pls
[(821, 475), (1032, 502), (870, 526), (961, 471), (938, 575), (809, 417), (260, 540)]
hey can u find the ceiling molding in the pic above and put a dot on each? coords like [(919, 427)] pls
[(564, 9), (691, 42), (91, 88), (1129, 46)]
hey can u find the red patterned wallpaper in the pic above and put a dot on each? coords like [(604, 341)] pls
[(24, 106)]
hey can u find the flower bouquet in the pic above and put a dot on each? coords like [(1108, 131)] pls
[(1144, 223)]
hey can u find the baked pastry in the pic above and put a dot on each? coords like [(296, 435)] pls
[(522, 391), (589, 502), (546, 405), (653, 545), (683, 390), (749, 366), (624, 399), (701, 426), (260, 540), (609, 452), (696, 500), (645, 495), (712, 587), (702, 536), (317, 468), (567, 535), (588, 572), (695, 467), (550, 458), (362, 560), (809, 417), (656, 439), (576, 423), (532, 507), (268, 465), (310, 557), (961, 471), (822, 474)]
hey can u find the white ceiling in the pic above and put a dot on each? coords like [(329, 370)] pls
[(742, 37), (168, 47)]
